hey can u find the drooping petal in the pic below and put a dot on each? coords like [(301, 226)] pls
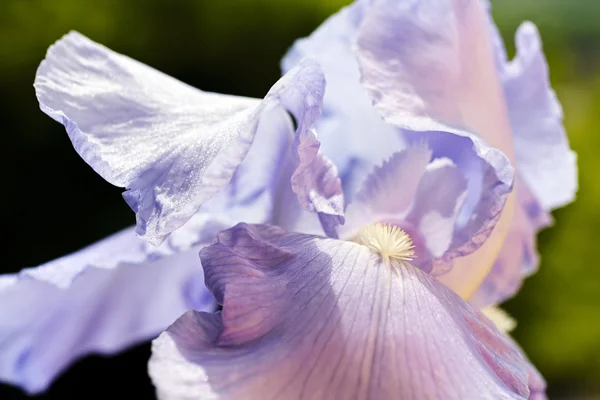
[(172, 146), (518, 257), (122, 290), (536, 119), (306, 317), (536, 382), (353, 136), (115, 293)]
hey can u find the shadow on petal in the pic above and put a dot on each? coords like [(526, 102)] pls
[(315, 318)]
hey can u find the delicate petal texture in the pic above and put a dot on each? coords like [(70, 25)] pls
[(536, 119), (389, 191), (422, 197), (315, 178), (101, 299), (429, 199), (437, 204), (123, 290), (424, 78), (353, 135), (391, 188), (518, 257), (503, 321), (311, 318), (187, 143), (421, 76)]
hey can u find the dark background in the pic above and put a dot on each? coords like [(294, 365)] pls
[(53, 203)]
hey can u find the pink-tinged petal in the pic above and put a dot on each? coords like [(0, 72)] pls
[(427, 63), (172, 146), (353, 135), (536, 382), (536, 119), (518, 256), (102, 299), (313, 318)]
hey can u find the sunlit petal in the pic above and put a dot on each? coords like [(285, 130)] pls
[(314, 318)]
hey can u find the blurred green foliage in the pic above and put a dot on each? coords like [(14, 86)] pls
[(234, 46)]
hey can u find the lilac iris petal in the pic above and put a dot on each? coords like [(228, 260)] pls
[(316, 183), (122, 290), (518, 257), (422, 77), (536, 120), (537, 384), (392, 50), (548, 175), (101, 299), (437, 204), (309, 317), (353, 135), (187, 143), (424, 190)]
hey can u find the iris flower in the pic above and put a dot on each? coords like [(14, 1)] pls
[(354, 264)]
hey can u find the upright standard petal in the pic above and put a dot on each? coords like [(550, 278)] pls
[(306, 317), (173, 147), (101, 299), (353, 135), (429, 65), (536, 119), (447, 197)]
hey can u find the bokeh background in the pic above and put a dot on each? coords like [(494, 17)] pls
[(53, 203)]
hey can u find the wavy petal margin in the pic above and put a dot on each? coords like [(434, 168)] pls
[(308, 317), (172, 146)]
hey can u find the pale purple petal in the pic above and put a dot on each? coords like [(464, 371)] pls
[(537, 122), (389, 191), (428, 64), (123, 290), (317, 185), (437, 205), (518, 256), (306, 317), (536, 382), (315, 178), (172, 146), (115, 293), (352, 134), (446, 190)]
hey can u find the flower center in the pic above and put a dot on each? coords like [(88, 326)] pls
[(389, 241)]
